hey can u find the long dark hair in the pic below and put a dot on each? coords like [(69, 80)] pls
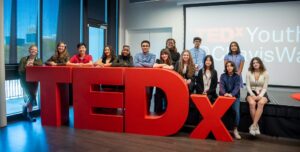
[(174, 49), (212, 66), (169, 60), (112, 53), (232, 64), (238, 48), (261, 65)]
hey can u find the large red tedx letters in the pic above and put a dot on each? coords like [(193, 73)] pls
[(212, 115), (135, 118), (54, 92), (87, 98)]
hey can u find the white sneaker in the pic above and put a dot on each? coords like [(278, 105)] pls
[(257, 131), (252, 130), (236, 134)]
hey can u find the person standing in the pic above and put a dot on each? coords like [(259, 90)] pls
[(198, 54), (207, 79), (235, 56), (171, 46), (108, 57), (29, 88), (165, 62), (186, 68), (81, 59), (61, 56), (145, 59), (125, 59)]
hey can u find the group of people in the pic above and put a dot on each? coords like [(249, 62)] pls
[(196, 68)]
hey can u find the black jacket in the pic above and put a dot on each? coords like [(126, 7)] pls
[(213, 85), (123, 61), (186, 76), (175, 57)]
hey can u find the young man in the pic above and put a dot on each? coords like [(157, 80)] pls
[(146, 60), (81, 59), (198, 54)]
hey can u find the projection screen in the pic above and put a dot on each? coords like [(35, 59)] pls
[(270, 31)]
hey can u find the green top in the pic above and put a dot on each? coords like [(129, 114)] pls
[(23, 62)]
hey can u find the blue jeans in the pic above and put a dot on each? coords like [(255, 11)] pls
[(236, 108)]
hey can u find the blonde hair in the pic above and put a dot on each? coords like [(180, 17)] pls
[(31, 46), (190, 65)]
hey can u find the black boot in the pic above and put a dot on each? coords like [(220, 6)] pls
[(30, 117), (24, 111)]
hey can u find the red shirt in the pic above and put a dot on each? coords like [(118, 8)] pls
[(76, 59)]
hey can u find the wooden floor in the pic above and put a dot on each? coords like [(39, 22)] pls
[(24, 136)]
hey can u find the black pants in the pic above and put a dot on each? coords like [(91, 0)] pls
[(160, 101)]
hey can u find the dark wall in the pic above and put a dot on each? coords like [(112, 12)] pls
[(69, 24), (94, 14), (96, 10), (112, 23)]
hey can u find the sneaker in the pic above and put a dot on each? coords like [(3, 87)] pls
[(257, 131), (236, 134), (252, 130)]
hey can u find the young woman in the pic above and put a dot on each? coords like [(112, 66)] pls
[(125, 59), (207, 79), (186, 68), (81, 59), (107, 58), (164, 62), (257, 83), (171, 46), (61, 56), (235, 56), (29, 88), (230, 87)]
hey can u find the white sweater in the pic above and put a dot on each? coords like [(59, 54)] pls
[(260, 86)]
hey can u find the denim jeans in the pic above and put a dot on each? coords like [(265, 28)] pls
[(236, 108)]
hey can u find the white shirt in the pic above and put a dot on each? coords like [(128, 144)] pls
[(259, 86)]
